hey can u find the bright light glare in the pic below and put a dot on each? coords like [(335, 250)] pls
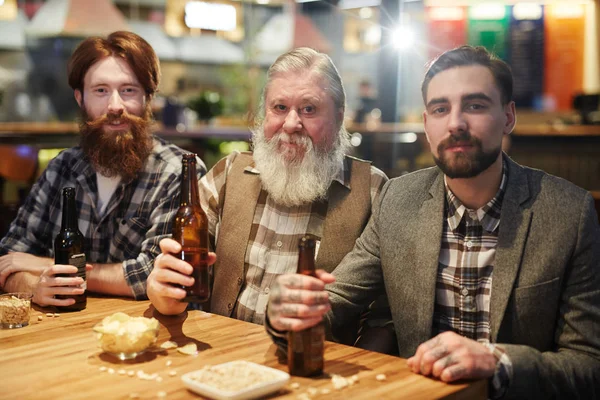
[(522, 11), (365, 13), (262, 1), (490, 11), (211, 16), (356, 139), (403, 38), (567, 11), (408, 137), (446, 13), (373, 35)]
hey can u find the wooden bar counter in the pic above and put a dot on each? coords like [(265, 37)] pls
[(58, 358)]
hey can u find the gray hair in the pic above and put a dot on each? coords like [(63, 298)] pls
[(306, 59)]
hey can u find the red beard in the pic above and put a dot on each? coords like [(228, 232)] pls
[(113, 153)]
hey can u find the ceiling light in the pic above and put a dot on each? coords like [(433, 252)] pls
[(403, 38)]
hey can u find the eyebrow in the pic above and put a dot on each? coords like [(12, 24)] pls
[(437, 100), (477, 96), (305, 99), (467, 97)]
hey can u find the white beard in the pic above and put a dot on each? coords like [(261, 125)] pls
[(304, 179)]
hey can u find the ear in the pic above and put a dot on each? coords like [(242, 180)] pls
[(78, 96), (425, 125), (511, 118)]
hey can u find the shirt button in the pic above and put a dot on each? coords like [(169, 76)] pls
[(279, 243), (267, 291), (240, 281), (469, 244), (464, 291)]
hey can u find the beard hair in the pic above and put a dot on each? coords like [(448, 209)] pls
[(293, 179), (117, 153), (464, 165)]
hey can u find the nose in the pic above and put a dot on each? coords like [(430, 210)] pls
[(292, 122), (115, 104), (457, 122)]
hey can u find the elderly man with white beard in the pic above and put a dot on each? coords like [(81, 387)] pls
[(297, 181)]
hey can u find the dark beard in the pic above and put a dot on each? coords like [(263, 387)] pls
[(464, 165), (117, 153)]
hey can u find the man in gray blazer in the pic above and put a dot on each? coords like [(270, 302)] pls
[(492, 269)]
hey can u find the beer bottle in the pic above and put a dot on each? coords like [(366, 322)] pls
[(306, 347), (68, 248), (190, 230)]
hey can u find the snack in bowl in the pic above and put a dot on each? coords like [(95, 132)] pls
[(235, 380), (126, 337), (14, 310)]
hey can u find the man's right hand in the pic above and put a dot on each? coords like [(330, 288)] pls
[(298, 302), (50, 285), (22, 262), (169, 274)]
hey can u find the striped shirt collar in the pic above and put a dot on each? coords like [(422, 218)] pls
[(488, 215)]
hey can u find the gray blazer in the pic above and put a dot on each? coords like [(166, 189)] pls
[(545, 304)]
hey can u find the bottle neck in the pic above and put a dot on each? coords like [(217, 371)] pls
[(189, 184), (69, 214)]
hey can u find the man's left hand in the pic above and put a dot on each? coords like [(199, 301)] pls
[(450, 357)]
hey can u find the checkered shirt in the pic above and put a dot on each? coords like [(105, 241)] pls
[(464, 280), (273, 243), (139, 214)]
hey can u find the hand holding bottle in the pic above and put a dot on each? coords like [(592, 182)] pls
[(59, 280), (166, 282)]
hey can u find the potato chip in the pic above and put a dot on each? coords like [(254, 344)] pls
[(189, 349), (168, 345)]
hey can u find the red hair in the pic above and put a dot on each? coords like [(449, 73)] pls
[(126, 45)]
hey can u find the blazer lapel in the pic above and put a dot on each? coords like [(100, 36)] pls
[(428, 242), (512, 235)]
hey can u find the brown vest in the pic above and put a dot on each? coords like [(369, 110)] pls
[(348, 212)]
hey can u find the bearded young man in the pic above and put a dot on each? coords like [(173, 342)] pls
[(296, 182), (126, 181), (492, 269)]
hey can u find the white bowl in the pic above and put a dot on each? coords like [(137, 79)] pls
[(227, 381)]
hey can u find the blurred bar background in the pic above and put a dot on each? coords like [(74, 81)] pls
[(214, 55)]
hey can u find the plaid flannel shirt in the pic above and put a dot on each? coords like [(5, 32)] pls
[(464, 281), (138, 215), (273, 245)]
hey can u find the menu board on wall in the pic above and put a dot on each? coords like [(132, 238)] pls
[(564, 37), (488, 27), (447, 29), (527, 55)]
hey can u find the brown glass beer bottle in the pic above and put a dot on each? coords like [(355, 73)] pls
[(68, 248), (306, 347), (190, 230)]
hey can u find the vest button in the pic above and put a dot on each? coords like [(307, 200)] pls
[(229, 306), (239, 281)]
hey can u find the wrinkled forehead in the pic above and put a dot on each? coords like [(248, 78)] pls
[(282, 82)]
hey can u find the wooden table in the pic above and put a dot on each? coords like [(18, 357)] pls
[(58, 358)]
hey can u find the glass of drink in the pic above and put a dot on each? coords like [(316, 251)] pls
[(15, 309)]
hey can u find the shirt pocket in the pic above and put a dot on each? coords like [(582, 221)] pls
[(131, 232)]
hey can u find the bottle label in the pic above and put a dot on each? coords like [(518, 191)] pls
[(78, 260)]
